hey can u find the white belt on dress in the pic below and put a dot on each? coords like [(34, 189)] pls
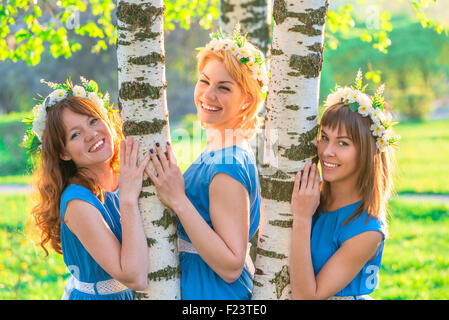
[(185, 246), (97, 288), (361, 297)]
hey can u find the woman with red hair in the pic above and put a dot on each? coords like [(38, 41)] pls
[(83, 164)]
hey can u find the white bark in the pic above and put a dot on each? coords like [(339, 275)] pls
[(252, 16), (290, 133), (255, 19), (142, 100)]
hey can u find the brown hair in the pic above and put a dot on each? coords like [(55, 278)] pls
[(53, 174), (376, 168), (250, 120)]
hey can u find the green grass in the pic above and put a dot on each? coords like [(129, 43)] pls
[(423, 165), (415, 264), (24, 272), (17, 179)]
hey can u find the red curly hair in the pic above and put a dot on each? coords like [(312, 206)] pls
[(53, 175)]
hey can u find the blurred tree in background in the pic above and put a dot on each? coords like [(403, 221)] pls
[(56, 39), (39, 35), (416, 68)]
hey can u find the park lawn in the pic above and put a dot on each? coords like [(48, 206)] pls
[(415, 264), (16, 179), (24, 272), (423, 165), (422, 156)]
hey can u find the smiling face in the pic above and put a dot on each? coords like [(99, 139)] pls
[(218, 97), (339, 156), (88, 140)]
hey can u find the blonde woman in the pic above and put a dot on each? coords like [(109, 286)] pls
[(217, 200), (339, 232)]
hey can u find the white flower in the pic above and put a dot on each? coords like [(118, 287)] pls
[(377, 116), (92, 96), (354, 95), (382, 143), (39, 123), (59, 94), (250, 64), (37, 109), (260, 74), (346, 93), (100, 103), (78, 91), (365, 109), (243, 53), (377, 129), (359, 75), (380, 90), (333, 98), (233, 48), (211, 45), (220, 45), (56, 96), (228, 43), (363, 99)]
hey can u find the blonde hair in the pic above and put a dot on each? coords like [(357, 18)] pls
[(376, 169), (250, 120)]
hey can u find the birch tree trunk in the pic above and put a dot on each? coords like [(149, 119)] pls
[(252, 16), (142, 101), (290, 133)]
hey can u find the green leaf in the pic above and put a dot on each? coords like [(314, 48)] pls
[(92, 86), (354, 106)]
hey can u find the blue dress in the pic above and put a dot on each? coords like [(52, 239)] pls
[(328, 234), (79, 262), (198, 280)]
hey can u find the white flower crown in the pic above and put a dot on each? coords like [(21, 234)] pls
[(88, 90), (360, 102), (245, 52)]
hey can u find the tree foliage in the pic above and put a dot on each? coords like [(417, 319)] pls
[(27, 27), (415, 69)]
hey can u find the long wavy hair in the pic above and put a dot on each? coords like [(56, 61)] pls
[(52, 174), (375, 180)]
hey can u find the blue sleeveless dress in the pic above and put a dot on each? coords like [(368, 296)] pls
[(79, 262), (328, 234), (198, 280)]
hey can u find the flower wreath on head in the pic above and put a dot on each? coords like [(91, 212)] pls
[(88, 90), (246, 53), (360, 102)]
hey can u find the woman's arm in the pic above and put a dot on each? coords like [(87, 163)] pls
[(224, 247), (126, 262), (346, 262)]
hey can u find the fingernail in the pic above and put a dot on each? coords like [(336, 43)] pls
[(157, 144), (151, 150), (168, 143)]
